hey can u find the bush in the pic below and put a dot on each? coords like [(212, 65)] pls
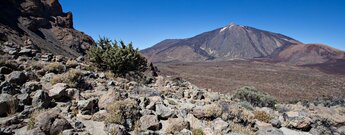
[(71, 63), (213, 111), (197, 132), (55, 67), (72, 78), (238, 128), (262, 116), (117, 57), (119, 111), (255, 97)]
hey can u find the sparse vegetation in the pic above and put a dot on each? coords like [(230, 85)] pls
[(197, 132), (71, 63), (119, 111), (213, 111), (246, 105), (32, 120), (120, 58), (71, 78), (55, 67), (238, 128), (255, 97), (262, 116)]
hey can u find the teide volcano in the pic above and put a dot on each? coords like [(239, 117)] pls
[(230, 42)]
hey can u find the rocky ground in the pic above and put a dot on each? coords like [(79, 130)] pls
[(286, 82), (46, 94)]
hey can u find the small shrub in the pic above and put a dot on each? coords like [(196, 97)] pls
[(119, 111), (37, 65), (197, 132), (32, 120), (72, 78), (255, 97), (262, 116), (71, 63), (121, 59), (90, 67), (238, 128), (246, 105), (55, 67), (213, 111)]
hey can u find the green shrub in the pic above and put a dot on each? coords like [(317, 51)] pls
[(117, 57), (255, 97)]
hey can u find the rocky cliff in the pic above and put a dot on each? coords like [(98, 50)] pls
[(43, 24)]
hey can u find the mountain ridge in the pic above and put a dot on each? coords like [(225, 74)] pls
[(235, 42), (218, 45)]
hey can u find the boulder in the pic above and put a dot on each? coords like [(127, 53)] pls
[(163, 112), (88, 107), (100, 115), (297, 120), (41, 99), (17, 77), (79, 125), (59, 92), (31, 87), (210, 111), (287, 131), (5, 70), (194, 122), (6, 131), (270, 131), (51, 122), (115, 129), (24, 99), (80, 59), (110, 97), (59, 125), (173, 125), (8, 88), (220, 126), (149, 122), (153, 101), (276, 123), (8, 105)]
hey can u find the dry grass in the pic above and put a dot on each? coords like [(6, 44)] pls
[(213, 111), (262, 116), (71, 78), (119, 111), (32, 120), (55, 67), (198, 132), (238, 128), (283, 82), (72, 63)]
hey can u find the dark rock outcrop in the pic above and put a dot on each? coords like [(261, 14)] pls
[(42, 24)]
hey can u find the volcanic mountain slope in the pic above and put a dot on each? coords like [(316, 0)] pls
[(44, 24), (306, 54), (230, 42)]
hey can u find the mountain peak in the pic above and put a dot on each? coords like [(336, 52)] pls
[(232, 24), (230, 42)]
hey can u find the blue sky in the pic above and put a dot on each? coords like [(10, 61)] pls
[(147, 22)]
